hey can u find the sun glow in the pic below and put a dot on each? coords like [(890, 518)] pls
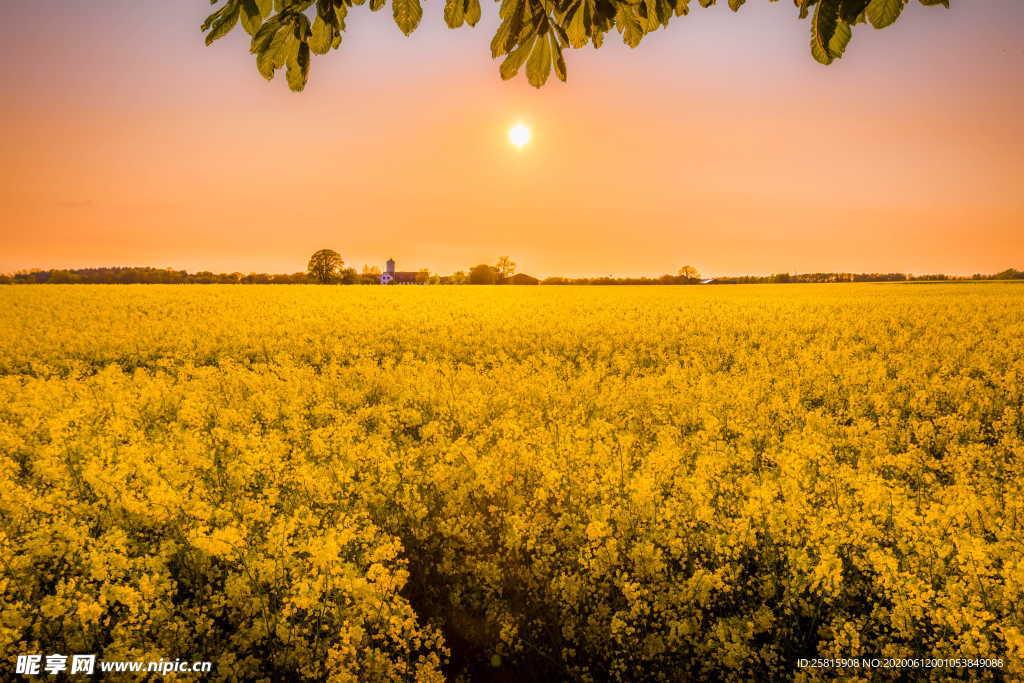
[(519, 135)]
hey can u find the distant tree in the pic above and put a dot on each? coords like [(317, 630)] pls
[(63, 277), (349, 276), (1009, 274), (371, 270), (324, 265), (505, 267), (369, 279), (459, 277), (689, 273), (422, 276), (483, 274)]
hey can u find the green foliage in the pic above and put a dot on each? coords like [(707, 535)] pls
[(407, 14), (882, 13), (689, 273), (325, 264), (483, 274), (505, 267), (533, 33)]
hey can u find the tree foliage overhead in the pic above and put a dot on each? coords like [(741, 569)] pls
[(534, 33)]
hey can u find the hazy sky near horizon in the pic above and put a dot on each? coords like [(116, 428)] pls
[(718, 142)]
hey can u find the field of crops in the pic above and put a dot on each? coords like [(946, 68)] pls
[(503, 483)]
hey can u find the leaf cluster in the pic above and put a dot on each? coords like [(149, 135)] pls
[(532, 33)]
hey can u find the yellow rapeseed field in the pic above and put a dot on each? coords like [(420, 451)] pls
[(546, 483)]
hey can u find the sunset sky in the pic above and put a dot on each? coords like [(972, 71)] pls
[(718, 142)]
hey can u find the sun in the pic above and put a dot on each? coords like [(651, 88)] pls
[(519, 135)]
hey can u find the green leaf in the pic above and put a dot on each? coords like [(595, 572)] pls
[(222, 21), (252, 20), (407, 14), (261, 41), (266, 7), (499, 39), (558, 60), (300, 24), (578, 29), (508, 8), (652, 22), (265, 65), (629, 26), (882, 13), (472, 12), (323, 36), (376, 5), (538, 67), (454, 13), (850, 10), (325, 11), (735, 5), (819, 54), (510, 66), (281, 47), (517, 29), (633, 31), (664, 12), (211, 18), (840, 39), (823, 27), (298, 68)]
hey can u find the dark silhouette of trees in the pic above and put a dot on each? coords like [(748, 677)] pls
[(1008, 274), (324, 266), (689, 273), (483, 274), (140, 275), (505, 267), (286, 33)]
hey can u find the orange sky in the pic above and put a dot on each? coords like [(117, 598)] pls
[(717, 143)]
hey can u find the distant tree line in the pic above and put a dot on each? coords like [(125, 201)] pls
[(326, 269), (136, 275), (1008, 274), (779, 278)]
